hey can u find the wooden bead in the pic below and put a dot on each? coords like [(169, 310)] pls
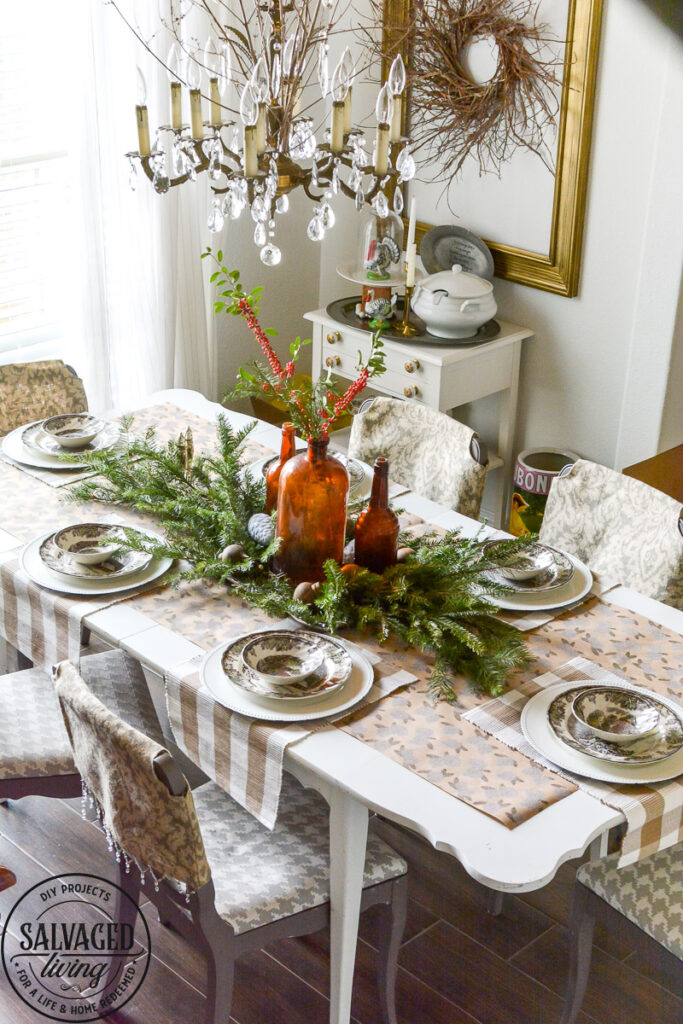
[(233, 553), (303, 592), (403, 554)]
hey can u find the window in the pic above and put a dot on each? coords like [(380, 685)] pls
[(36, 169)]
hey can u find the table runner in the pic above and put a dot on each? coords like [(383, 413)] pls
[(243, 755), (653, 812), (168, 420)]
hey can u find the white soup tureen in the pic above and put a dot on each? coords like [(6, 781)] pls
[(453, 303)]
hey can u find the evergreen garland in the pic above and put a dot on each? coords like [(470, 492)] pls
[(436, 600)]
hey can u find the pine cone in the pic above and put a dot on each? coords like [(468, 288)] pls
[(261, 528)]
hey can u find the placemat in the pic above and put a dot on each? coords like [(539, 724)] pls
[(243, 755), (653, 812)]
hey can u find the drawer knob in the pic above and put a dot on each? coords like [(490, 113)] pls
[(412, 365), (332, 361), (411, 392), (333, 336)]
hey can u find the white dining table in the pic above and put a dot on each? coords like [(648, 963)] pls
[(356, 779)]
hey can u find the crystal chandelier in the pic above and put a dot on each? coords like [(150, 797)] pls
[(270, 147)]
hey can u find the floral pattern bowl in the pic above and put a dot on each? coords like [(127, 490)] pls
[(280, 658), (519, 565), (88, 543), (616, 715), (73, 430)]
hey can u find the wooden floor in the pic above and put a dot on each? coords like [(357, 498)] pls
[(459, 965)]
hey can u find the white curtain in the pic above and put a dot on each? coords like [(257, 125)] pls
[(144, 321)]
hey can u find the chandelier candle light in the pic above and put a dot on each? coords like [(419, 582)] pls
[(270, 148)]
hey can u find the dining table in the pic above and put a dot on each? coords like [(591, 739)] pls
[(359, 778)]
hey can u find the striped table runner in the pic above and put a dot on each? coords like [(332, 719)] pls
[(654, 812), (243, 755)]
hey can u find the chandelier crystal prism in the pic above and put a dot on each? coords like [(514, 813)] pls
[(259, 142)]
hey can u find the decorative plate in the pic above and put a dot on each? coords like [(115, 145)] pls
[(560, 573), (120, 564), (35, 439), (447, 244), (572, 590), (537, 730), (353, 467), (35, 569), (330, 677), (642, 751)]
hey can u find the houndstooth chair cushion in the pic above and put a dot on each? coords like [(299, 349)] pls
[(649, 893), (261, 876), (33, 739), (427, 451), (619, 526)]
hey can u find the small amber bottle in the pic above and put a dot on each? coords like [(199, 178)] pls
[(376, 534), (287, 450)]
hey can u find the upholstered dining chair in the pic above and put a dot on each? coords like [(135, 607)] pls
[(648, 893), (428, 451), (34, 391), (35, 753), (618, 526), (218, 876)]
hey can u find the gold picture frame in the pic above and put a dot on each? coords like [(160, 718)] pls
[(558, 271)]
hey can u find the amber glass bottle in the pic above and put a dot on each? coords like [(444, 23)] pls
[(311, 513), (287, 450), (376, 534)]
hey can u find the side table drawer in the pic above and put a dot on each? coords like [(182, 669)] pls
[(405, 375)]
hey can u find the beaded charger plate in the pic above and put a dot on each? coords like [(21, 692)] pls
[(330, 677)]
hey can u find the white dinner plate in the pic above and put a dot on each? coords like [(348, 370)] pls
[(230, 696), (14, 448), (574, 590), (536, 728), (34, 568)]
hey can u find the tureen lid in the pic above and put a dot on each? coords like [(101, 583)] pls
[(457, 283)]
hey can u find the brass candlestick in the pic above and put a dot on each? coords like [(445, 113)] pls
[(405, 327)]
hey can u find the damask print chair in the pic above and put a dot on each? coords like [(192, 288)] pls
[(215, 874), (618, 526), (428, 451), (35, 753), (648, 893), (34, 391)]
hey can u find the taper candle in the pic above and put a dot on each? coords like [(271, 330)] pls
[(348, 113), (337, 133), (250, 157), (143, 130), (382, 150), (216, 111), (196, 114), (176, 106), (261, 129), (411, 225), (411, 256), (396, 119)]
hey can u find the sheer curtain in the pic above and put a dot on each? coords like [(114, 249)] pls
[(142, 320)]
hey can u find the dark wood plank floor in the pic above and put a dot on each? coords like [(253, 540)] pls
[(458, 964)]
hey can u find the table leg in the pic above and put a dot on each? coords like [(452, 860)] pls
[(348, 838), (507, 413), (598, 848)]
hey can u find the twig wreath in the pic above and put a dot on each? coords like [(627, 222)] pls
[(453, 116)]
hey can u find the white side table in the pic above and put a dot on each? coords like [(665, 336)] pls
[(443, 377)]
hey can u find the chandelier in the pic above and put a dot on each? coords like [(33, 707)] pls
[(265, 61)]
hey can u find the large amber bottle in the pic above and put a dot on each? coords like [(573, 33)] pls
[(311, 513), (376, 536), (287, 451)]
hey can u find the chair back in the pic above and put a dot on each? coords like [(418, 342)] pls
[(428, 451), (145, 821), (619, 526), (34, 391)]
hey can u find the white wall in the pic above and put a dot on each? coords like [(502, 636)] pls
[(594, 378)]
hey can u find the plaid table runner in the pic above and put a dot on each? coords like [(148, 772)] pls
[(243, 755), (653, 812)]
